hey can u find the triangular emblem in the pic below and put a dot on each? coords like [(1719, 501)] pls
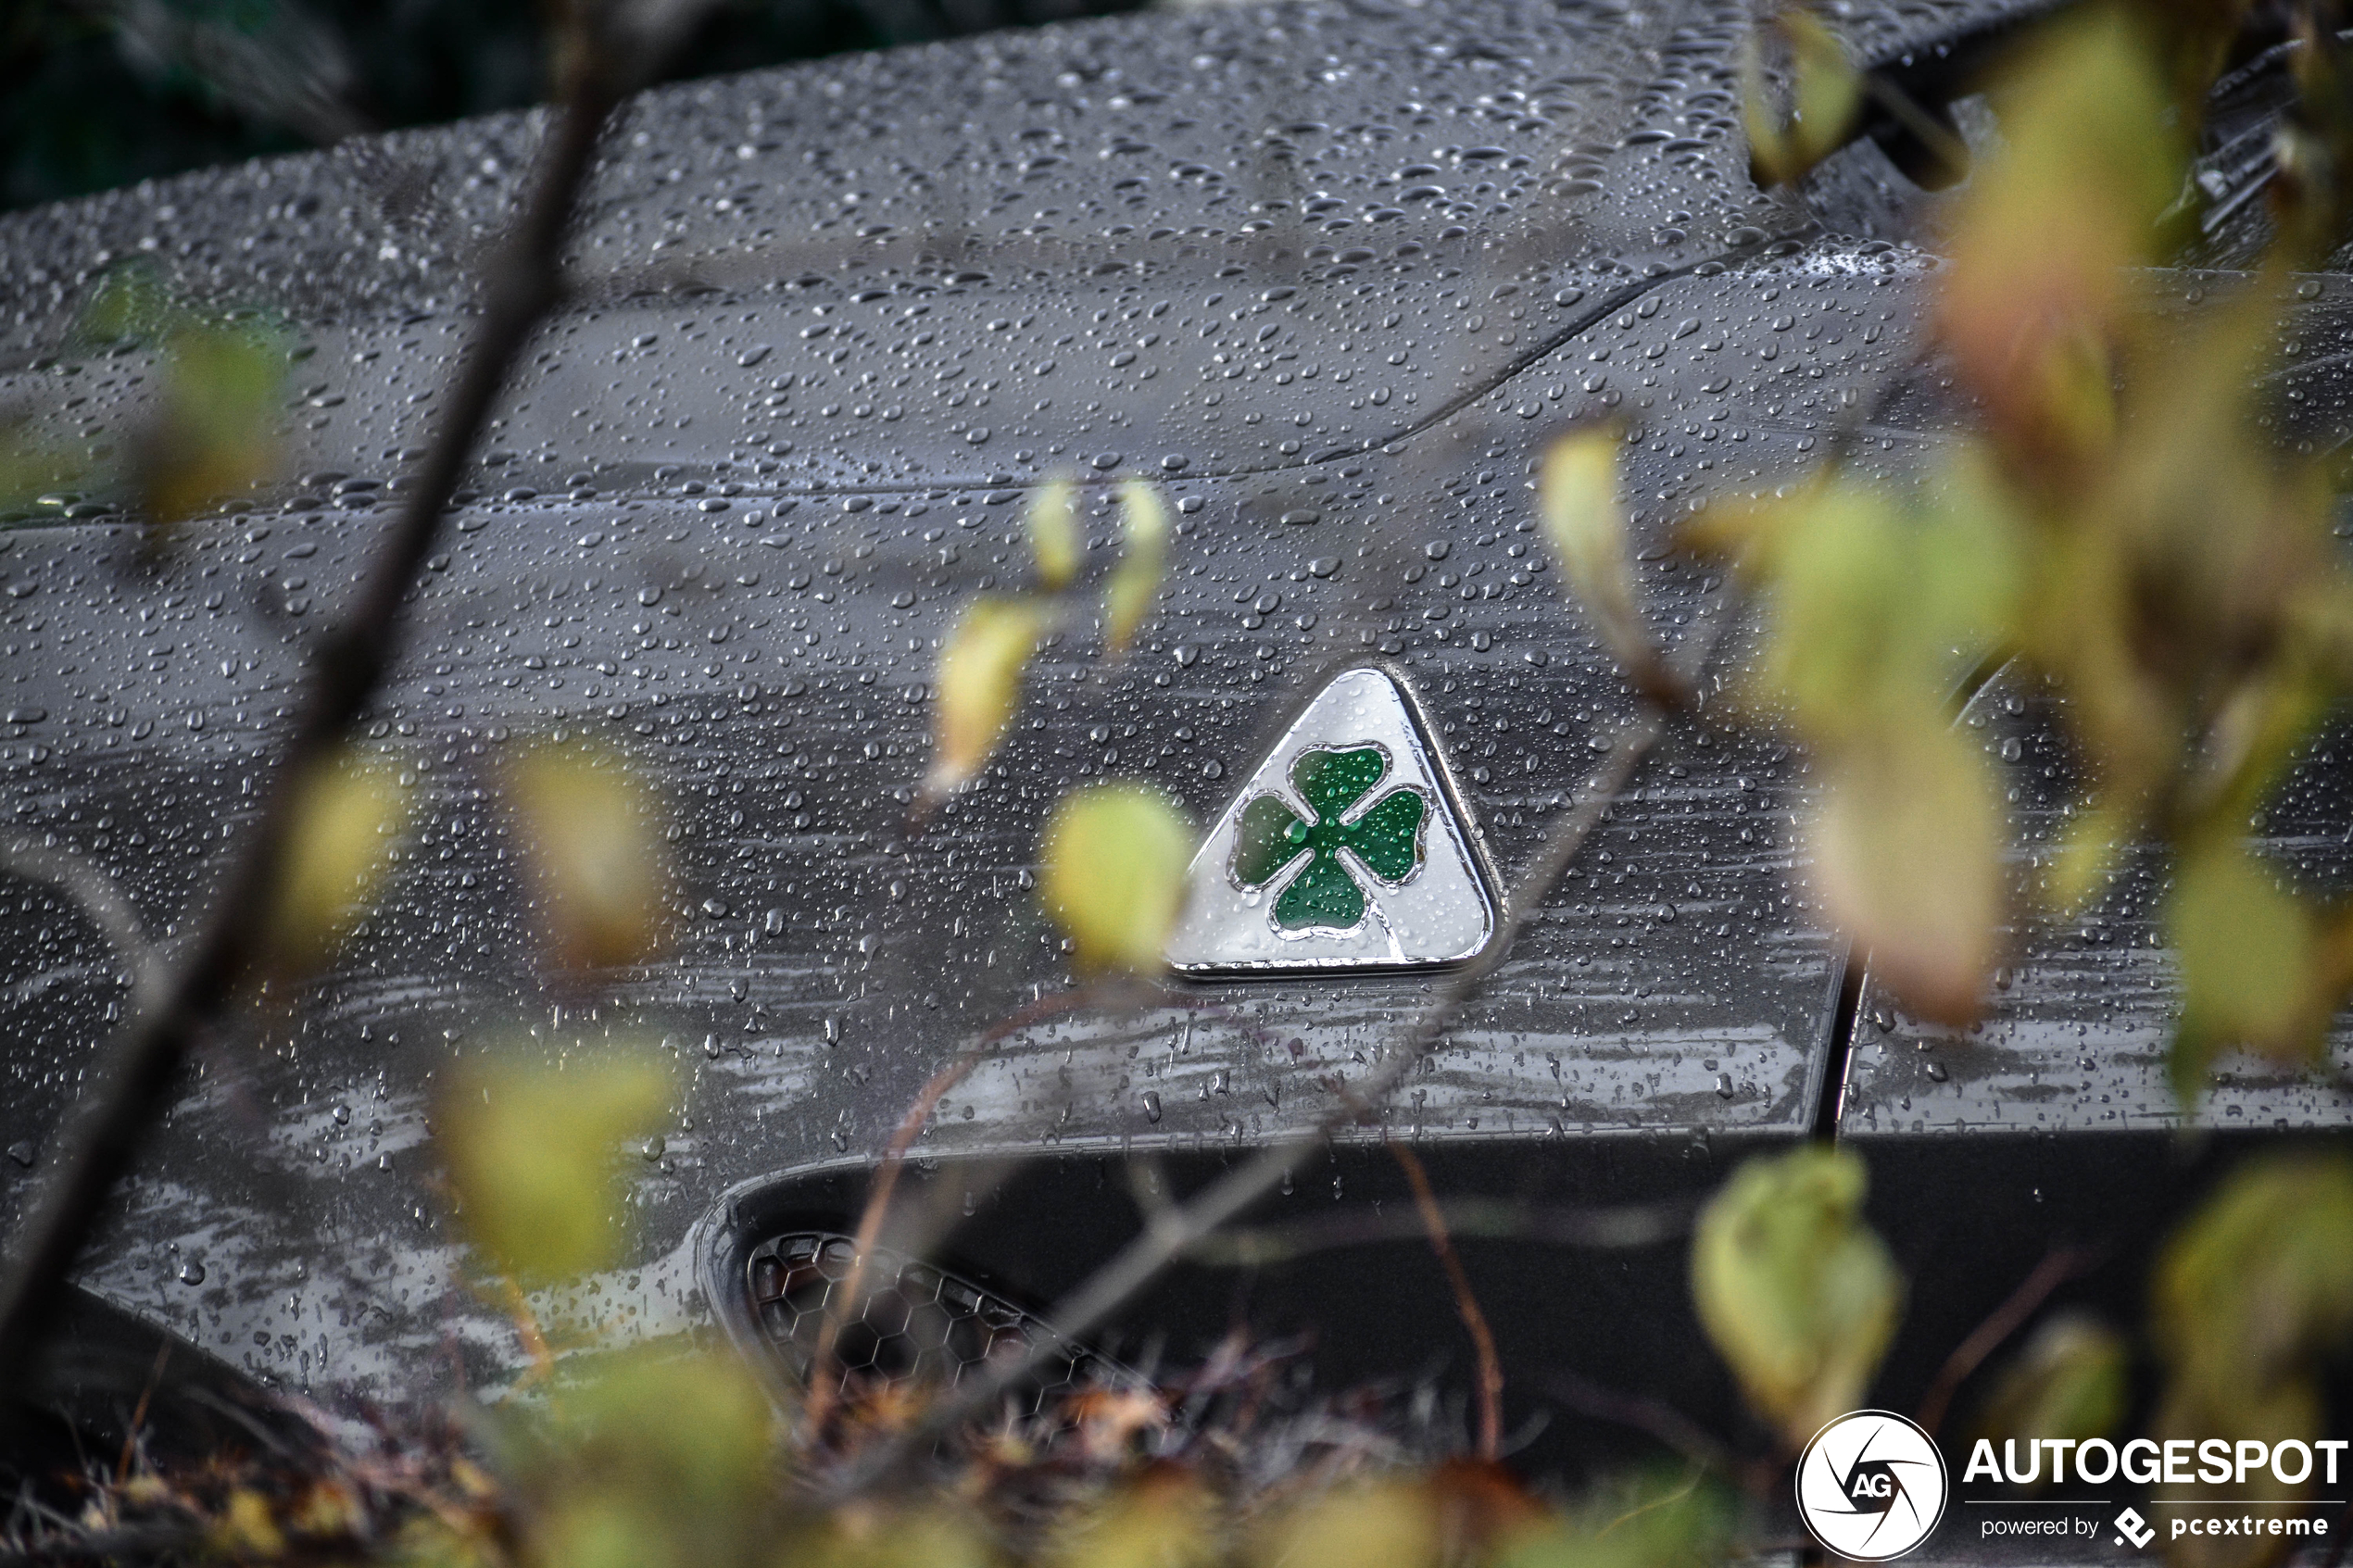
[(1344, 849)]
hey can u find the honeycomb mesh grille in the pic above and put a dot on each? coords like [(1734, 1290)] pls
[(918, 1326)]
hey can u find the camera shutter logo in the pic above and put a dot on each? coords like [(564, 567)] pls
[(1871, 1485)]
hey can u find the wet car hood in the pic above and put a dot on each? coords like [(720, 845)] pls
[(1329, 273)]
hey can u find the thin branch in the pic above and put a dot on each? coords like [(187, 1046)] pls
[(1939, 138), (2058, 1266), (142, 1063), (1174, 1231), (1169, 1234), (1633, 1226), (1491, 1368), (851, 1294), (1654, 1418), (100, 901)]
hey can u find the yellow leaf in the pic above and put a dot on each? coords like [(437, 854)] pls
[(1166, 1518), (2257, 1282), (1392, 1522), (1115, 857), (533, 1155), (1586, 527), (2070, 1383), (2249, 1300), (347, 818), (2033, 302), (1824, 91), (1144, 524), (245, 1527), (595, 853), (1906, 846), (1054, 543), (884, 1536), (216, 431), (1644, 1519), (980, 674), (1796, 1293)]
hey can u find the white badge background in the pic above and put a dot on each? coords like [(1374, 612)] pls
[(1441, 914)]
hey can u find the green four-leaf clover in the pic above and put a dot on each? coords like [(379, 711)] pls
[(1387, 840)]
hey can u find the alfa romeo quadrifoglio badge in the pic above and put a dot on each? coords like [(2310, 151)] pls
[(1345, 849)]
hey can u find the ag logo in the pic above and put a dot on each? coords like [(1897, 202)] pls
[(1344, 849), (1870, 1485)]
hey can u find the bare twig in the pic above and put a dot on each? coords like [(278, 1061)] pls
[(1491, 1368), (100, 901), (1635, 1225), (851, 1294), (1652, 1417), (143, 1062), (2058, 1266), (1170, 1234)]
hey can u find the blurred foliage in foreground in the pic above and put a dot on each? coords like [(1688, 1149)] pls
[(2124, 519), (2121, 521)]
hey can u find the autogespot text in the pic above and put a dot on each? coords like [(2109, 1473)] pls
[(2182, 1462)]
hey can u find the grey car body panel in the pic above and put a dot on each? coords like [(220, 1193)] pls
[(1330, 274), (2076, 1037)]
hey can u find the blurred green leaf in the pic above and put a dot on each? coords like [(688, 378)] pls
[(1144, 526), (655, 1459), (1907, 843), (593, 840), (216, 431), (2249, 964), (979, 684), (347, 818), (1054, 542), (1874, 609), (1795, 1292), (1825, 92), (902, 1537), (2250, 1297), (1646, 1520), (1167, 1517), (533, 1156), (2069, 1384), (1392, 1522), (1585, 525), (2257, 1282), (2035, 301), (129, 302), (1874, 603), (1115, 858)]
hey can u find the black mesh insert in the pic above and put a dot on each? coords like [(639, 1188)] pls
[(918, 1324)]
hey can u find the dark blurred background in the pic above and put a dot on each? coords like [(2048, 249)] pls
[(96, 93)]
